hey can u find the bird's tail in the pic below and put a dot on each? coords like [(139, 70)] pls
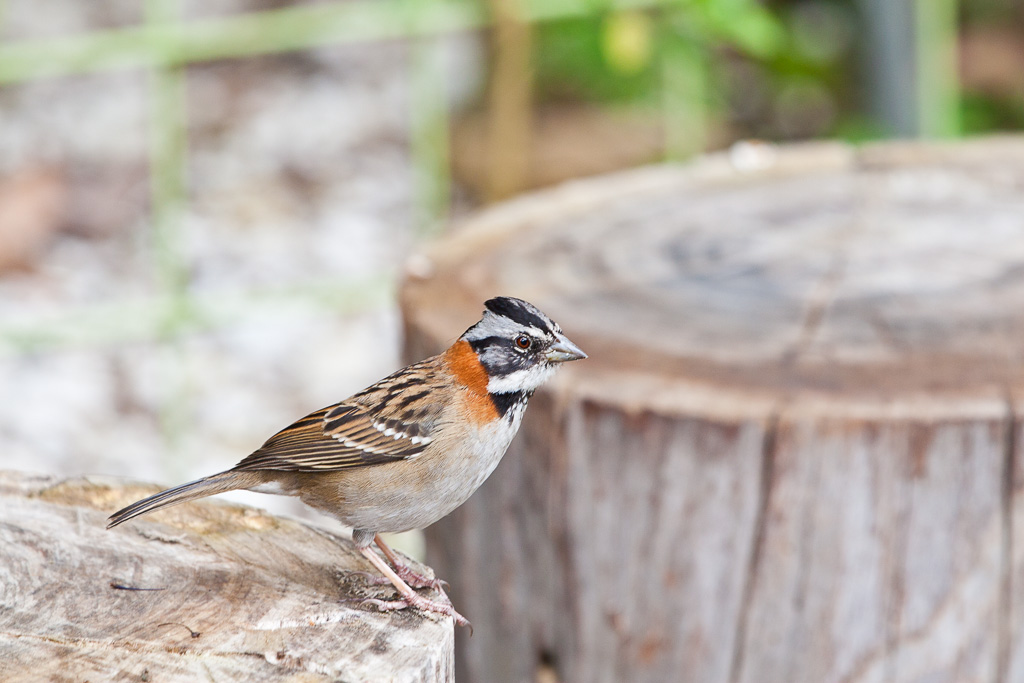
[(200, 488)]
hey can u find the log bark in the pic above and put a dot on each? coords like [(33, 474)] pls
[(201, 591), (795, 450)]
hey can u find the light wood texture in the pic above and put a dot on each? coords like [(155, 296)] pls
[(202, 591), (792, 454)]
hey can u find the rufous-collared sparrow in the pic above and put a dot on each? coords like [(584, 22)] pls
[(404, 452)]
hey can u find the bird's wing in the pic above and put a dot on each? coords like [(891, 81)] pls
[(392, 420)]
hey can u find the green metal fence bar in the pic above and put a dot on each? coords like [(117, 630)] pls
[(279, 30), (684, 91), (167, 150), (429, 134), (938, 105)]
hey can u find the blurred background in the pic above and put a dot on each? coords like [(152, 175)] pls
[(206, 207)]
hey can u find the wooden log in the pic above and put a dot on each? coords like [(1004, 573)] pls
[(202, 591), (794, 451)]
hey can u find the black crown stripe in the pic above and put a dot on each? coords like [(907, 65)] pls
[(518, 311)]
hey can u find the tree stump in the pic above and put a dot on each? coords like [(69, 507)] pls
[(201, 591), (794, 453)]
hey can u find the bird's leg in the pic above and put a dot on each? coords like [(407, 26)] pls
[(404, 571), (413, 578), (409, 597)]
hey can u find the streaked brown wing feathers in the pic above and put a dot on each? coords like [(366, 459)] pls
[(353, 434)]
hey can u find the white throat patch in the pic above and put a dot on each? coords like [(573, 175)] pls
[(527, 379)]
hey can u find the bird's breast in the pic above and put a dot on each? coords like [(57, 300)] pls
[(415, 493)]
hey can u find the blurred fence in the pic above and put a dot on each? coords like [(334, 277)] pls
[(166, 45)]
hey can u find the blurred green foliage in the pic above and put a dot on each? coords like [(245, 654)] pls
[(982, 113), (783, 69), (800, 53), (572, 61), (615, 56)]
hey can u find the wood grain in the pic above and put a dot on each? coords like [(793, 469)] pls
[(882, 546), (202, 591), (794, 451)]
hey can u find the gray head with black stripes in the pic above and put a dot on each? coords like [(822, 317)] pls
[(519, 346)]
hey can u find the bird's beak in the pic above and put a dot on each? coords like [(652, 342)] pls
[(563, 350)]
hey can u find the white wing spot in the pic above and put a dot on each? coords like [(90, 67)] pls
[(389, 431), (355, 444), (415, 440)]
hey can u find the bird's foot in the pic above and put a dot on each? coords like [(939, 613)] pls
[(417, 580), (421, 603), (405, 572), (414, 579), (407, 596)]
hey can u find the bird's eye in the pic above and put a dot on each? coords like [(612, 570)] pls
[(523, 342)]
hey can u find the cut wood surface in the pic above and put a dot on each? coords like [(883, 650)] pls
[(202, 591), (794, 452)]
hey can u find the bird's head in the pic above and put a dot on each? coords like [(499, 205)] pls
[(519, 346)]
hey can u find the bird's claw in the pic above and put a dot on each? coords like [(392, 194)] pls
[(412, 578), (421, 603), (417, 580)]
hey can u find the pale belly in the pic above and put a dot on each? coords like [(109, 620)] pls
[(415, 494)]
